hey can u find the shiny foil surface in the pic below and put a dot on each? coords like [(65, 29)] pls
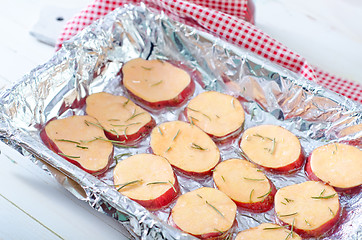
[(90, 63)]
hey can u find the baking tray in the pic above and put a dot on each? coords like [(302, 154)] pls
[(90, 62)]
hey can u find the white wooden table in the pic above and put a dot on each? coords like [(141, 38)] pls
[(34, 206)]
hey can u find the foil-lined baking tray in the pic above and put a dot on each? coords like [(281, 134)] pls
[(91, 61)]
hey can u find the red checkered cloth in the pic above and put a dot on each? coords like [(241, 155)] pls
[(230, 20)]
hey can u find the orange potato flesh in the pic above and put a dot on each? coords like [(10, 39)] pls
[(241, 181), (91, 154), (152, 176), (154, 80), (204, 211), (271, 146), (117, 114), (185, 146), (337, 164), (216, 113), (309, 205), (267, 231)]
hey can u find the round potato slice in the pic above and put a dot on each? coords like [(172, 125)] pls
[(157, 83), (204, 213), (245, 184), (147, 179), (185, 146), (311, 208), (337, 164), (79, 141), (267, 231), (273, 148), (219, 115), (121, 119)]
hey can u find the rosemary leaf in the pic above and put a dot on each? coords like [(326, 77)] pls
[(198, 195), (82, 147), (125, 103), (254, 179), (125, 133), (199, 112), (273, 228), (330, 210), (325, 197), (157, 83), (68, 156), (198, 147), (66, 140), (273, 147), (266, 194), (146, 68), (223, 178), (117, 157), (126, 184), (134, 115), (322, 192), (214, 208), (168, 149), (287, 215), (159, 130), (113, 119), (289, 200), (307, 222), (125, 125), (173, 139), (114, 131), (192, 120), (250, 197)]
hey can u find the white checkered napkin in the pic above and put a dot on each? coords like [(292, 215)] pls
[(224, 19)]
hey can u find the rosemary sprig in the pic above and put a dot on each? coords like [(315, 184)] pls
[(82, 147), (254, 179), (266, 194), (287, 215), (146, 68), (134, 115), (199, 112), (157, 83), (214, 208), (128, 183), (198, 147), (68, 156), (325, 197), (273, 228), (66, 140), (250, 197)]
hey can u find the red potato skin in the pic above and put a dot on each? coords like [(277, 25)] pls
[(310, 174), (259, 207), (177, 101), (52, 146), (318, 231), (163, 200), (133, 139), (220, 141)]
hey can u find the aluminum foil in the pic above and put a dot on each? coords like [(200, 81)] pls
[(90, 63)]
